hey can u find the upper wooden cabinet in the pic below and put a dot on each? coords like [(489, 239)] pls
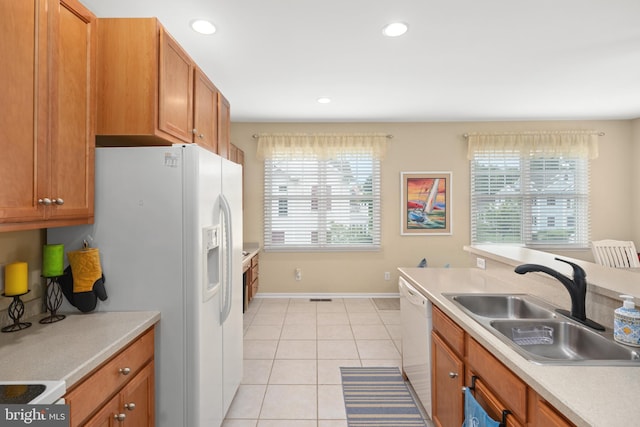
[(151, 92), (131, 71), (205, 112), (224, 126), (175, 87), (73, 127), (47, 117)]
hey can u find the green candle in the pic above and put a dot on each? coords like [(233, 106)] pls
[(52, 260)]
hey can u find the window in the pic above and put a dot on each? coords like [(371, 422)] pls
[(525, 194), (322, 204)]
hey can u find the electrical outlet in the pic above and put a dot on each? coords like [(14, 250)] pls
[(298, 274), (481, 263), (387, 275)]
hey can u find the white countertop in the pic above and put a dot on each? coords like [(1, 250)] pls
[(592, 396), (71, 348), (607, 281), (251, 249)]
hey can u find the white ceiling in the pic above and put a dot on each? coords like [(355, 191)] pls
[(461, 60)]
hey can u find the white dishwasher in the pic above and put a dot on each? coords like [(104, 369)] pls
[(415, 313)]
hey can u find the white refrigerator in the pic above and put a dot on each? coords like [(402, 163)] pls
[(168, 225)]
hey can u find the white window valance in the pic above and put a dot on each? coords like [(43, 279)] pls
[(578, 143), (322, 145)]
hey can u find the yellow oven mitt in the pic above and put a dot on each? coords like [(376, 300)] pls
[(83, 282), (86, 269)]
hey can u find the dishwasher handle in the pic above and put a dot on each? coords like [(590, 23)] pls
[(411, 294)]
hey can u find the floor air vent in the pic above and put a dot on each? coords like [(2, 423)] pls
[(320, 300)]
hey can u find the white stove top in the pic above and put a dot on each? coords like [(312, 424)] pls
[(52, 393)]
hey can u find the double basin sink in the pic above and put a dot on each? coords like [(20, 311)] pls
[(535, 330)]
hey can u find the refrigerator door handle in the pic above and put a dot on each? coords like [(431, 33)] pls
[(225, 210)]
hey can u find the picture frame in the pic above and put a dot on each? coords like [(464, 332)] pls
[(426, 203)]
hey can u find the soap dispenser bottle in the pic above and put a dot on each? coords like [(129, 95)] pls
[(626, 323)]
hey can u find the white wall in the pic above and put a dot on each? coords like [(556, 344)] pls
[(426, 147), (635, 178), (415, 147)]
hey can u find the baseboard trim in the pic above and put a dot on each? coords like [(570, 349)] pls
[(326, 295)]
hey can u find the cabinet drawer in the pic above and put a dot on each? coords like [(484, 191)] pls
[(492, 405), (542, 414), (449, 331), (505, 384), (108, 379), (549, 417), (254, 261)]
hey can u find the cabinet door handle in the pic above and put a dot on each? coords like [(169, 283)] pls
[(130, 406), (200, 136), (58, 201), (453, 375), (125, 371), (46, 201), (120, 417), (194, 131)]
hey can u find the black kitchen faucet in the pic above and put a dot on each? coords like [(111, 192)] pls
[(577, 290)]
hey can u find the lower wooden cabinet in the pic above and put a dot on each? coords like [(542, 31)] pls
[(545, 415), (120, 392), (254, 276), (509, 389), (458, 360), (447, 381), (132, 407)]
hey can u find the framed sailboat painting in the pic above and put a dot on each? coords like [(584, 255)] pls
[(426, 203)]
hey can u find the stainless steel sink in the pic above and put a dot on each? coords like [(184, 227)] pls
[(533, 329), (502, 306), (560, 340)]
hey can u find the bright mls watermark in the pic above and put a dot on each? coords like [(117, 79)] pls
[(34, 415)]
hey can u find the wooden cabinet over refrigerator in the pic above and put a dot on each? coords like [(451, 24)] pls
[(151, 92)]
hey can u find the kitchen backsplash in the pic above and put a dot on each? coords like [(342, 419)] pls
[(600, 307), (23, 246)]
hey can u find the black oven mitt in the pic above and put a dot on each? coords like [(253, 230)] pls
[(85, 301)]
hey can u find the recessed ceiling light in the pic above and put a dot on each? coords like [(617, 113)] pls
[(395, 29), (323, 100), (203, 26)]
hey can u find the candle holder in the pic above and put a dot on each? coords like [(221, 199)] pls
[(16, 311), (53, 300)]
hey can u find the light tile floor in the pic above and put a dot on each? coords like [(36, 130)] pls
[(293, 350)]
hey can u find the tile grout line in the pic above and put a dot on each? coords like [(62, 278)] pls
[(286, 311)]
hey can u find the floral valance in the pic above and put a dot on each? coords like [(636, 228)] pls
[(322, 145), (581, 143)]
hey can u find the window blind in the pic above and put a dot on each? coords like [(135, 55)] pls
[(531, 199), (322, 204)]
